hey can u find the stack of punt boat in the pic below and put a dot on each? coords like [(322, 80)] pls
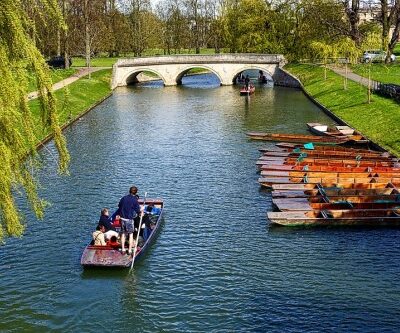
[(330, 186)]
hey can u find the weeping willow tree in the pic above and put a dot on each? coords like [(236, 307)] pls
[(19, 58)]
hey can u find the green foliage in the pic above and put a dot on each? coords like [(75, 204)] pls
[(378, 120), (18, 58)]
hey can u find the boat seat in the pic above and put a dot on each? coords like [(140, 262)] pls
[(344, 202), (326, 214)]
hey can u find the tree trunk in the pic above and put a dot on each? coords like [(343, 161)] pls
[(87, 36)]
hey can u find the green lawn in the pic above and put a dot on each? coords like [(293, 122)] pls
[(379, 121), (56, 76), (76, 98), (386, 73)]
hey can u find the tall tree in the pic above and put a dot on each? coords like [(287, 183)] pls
[(18, 58)]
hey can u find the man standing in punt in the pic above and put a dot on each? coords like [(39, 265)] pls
[(128, 210)]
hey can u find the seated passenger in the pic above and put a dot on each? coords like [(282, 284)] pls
[(113, 242), (98, 235), (105, 221)]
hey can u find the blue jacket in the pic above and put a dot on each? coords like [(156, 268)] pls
[(106, 221), (128, 207)]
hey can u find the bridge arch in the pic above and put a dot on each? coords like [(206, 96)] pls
[(244, 68), (188, 68), (131, 77)]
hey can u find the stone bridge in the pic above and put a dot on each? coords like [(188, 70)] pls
[(226, 67)]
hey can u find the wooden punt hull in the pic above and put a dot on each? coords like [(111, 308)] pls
[(105, 256), (317, 157), (296, 138), (359, 186), (327, 168), (314, 174), (290, 147), (329, 218), (325, 162), (334, 192), (338, 131), (327, 154), (335, 203), (268, 182), (245, 92)]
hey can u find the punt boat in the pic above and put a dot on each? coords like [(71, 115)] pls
[(247, 92), (108, 256), (291, 147), (326, 154), (327, 218), (337, 131), (325, 162), (313, 174), (269, 181), (358, 186), (297, 138), (309, 146), (334, 192), (327, 168), (337, 202)]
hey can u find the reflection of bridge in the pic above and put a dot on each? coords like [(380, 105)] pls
[(171, 69)]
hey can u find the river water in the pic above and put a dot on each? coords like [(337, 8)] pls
[(216, 266)]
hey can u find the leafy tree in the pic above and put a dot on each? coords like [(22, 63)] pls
[(18, 57)]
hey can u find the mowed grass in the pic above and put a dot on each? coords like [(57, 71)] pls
[(75, 99), (56, 76), (386, 73), (379, 120)]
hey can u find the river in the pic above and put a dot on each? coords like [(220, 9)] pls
[(216, 266)]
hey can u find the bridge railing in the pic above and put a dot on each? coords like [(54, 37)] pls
[(204, 59)]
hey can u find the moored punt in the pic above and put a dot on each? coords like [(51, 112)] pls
[(107, 256), (327, 154), (296, 138), (337, 131), (332, 202), (325, 162), (269, 181), (313, 174), (359, 186), (247, 92), (327, 168), (298, 157), (290, 147), (334, 192), (353, 217)]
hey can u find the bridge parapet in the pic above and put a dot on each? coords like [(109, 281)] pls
[(228, 58)]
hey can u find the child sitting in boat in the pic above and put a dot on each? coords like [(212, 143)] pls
[(113, 242), (98, 235)]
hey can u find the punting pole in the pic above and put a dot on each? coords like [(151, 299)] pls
[(138, 232)]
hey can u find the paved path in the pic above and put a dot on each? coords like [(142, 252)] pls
[(61, 84), (352, 76)]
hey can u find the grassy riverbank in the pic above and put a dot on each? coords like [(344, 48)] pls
[(76, 98), (379, 120), (386, 73), (56, 76)]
